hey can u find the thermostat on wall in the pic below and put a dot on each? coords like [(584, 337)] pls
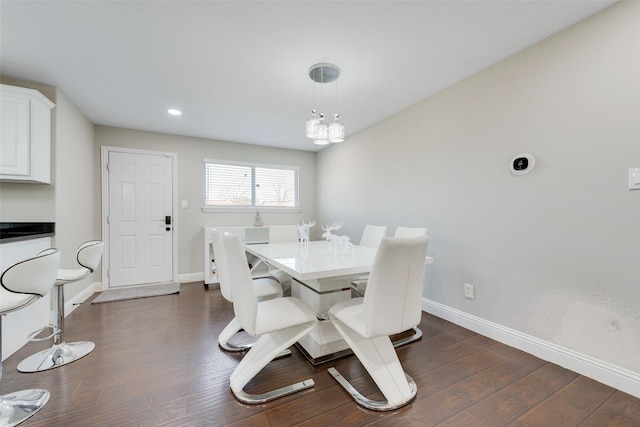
[(522, 164)]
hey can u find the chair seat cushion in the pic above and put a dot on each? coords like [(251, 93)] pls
[(266, 287), (10, 301), (281, 313), (351, 313), (68, 276)]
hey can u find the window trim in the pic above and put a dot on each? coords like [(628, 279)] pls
[(253, 206)]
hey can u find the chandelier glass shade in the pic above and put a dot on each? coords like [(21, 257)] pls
[(323, 133), (336, 130), (311, 123)]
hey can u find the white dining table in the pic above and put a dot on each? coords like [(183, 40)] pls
[(321, 276)]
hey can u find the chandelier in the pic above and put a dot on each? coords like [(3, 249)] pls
[(324, 133)]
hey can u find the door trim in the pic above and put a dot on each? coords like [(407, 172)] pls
[(104, 158)]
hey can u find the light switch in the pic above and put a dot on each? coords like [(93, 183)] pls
[(634, 179), (183, 204)]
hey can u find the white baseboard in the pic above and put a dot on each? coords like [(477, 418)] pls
[(191, 277), (606, 373)]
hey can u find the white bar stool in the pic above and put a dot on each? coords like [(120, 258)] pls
[(22, 284), (88, 256)]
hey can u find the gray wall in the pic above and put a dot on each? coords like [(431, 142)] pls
[(555, 253), (77, 201), (191, 152), (70, 200)]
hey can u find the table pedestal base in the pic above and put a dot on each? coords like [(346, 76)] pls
[(324, 342)]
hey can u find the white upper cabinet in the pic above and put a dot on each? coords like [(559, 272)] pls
[(25, 135)]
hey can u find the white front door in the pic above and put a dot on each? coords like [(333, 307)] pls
[(140, 218)]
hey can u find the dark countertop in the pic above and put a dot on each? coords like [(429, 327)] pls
[(16, 231)]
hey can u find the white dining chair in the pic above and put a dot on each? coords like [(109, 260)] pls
[(391, 305), (371, 238), (279, 322), (372, 235), (21, 285), (411, 231), (265, 288), (283, 234), (359, 286)]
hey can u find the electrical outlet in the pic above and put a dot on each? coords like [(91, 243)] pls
[(469, 291)]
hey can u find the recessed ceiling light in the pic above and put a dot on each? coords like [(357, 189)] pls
[(174, 112)]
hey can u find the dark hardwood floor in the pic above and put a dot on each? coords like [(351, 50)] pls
[(157, 363)]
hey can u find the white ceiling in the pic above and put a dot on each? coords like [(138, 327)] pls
[(238, 69)]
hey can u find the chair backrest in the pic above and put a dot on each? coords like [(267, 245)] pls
[(372, 235), (220, 255), (90, 253), (245, 302), (33, 276), (393, 301), (411, 232), (283, 234)]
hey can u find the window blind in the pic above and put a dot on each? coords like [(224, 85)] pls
[(250, 185)]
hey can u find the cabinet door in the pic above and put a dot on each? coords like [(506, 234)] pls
[(14, 150)]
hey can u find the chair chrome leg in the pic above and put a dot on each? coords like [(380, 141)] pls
[(246, 347), (356, 292), (234, 348), (56, 356), (230, 330), (374, 405), (417, 334), (262, 353), (254, 399), (18, 406)]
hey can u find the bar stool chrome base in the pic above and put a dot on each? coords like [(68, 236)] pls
[(374, 405), (20, 405), (58, 355)]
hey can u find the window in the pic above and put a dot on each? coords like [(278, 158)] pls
[(238, 185)]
